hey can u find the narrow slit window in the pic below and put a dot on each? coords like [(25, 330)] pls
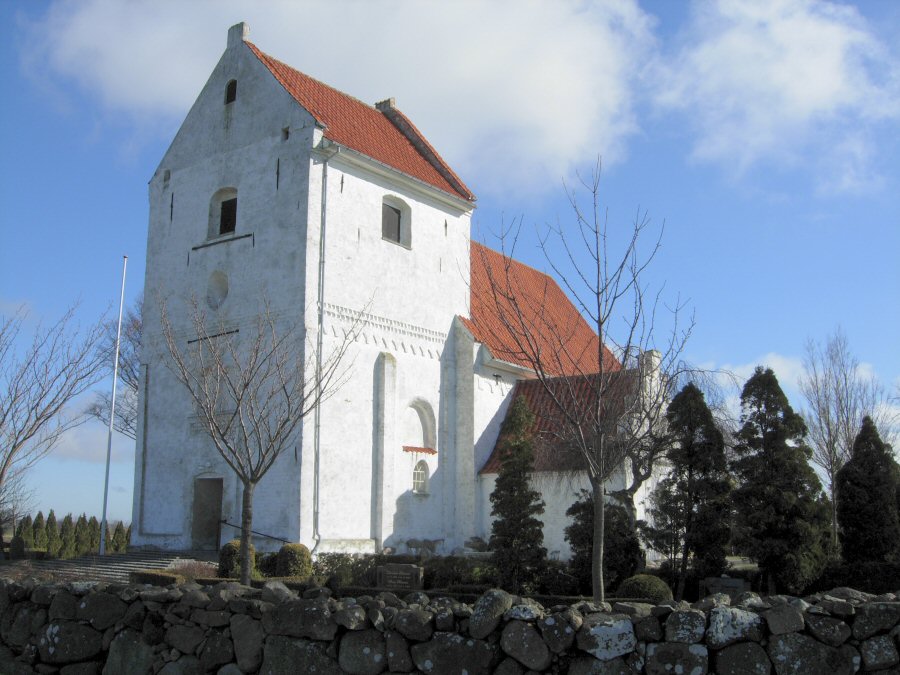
[(230, 91), (390, 223), (228, 217), (420, 478)]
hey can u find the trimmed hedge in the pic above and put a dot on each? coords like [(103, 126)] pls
[(294, 560), (646, 586), (230, 559), (156, 577)]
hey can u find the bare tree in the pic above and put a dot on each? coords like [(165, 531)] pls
[(607, 389), (129, 371), (16, 500), (251, 389), (839, 394), (37, 382)]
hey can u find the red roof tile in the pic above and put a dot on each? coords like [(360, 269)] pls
[(550, 454), (364, 128), (534, 303), (420, 451)]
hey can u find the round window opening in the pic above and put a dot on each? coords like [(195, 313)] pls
[(217, 289)]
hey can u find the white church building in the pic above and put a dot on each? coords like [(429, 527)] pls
[(279, 186)]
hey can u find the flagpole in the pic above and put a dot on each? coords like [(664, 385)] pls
[(112, 410)]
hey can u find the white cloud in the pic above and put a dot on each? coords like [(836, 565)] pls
[(512, 93), (784, 81)]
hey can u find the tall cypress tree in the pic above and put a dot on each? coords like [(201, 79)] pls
[(118, 538), (82, 535), (692, 501), (26, 531), (517, 535), (53, 542), (94, 534), (782, 514), (40, 531), (867, 499), (67, 537)]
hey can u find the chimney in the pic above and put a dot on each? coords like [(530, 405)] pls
[(238, 33), (386, 104)]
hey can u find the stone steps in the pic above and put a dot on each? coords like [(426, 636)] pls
[(115, 567)]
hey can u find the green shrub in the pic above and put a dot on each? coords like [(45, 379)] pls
[(156, 577), (871, 577), (557, 579), (17, 548), (230, 560), (293, 560), (267, 564), (334, 569), (645, 586)]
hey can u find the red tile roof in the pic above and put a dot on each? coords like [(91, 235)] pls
[(535, 302), (385, 136), (550, 454)]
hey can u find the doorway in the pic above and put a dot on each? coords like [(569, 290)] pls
[(207, 514)]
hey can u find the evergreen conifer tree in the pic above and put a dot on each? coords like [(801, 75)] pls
[(516, 534), (39, 528), (26, 532), (867, 493), (82, 536), (53, 542), (127, 537), (118, 538), (94, 534), (67, 537), (690, 505), (782, 514)]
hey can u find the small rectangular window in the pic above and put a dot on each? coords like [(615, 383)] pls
[(390, 223), (228, 219)]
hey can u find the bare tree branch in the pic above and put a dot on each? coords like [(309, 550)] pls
[(251, 388), (37, 382), (605, 396)]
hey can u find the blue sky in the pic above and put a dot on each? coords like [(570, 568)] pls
[(764, 134)]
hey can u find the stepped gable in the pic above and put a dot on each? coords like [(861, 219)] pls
[(555, 325), (382, 133)]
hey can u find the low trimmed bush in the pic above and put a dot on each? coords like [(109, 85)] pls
[(17, 548), (645, 586), (293, 560), (267, 564), (156, 577), (230, 560)]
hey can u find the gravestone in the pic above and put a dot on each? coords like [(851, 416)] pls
[(396, 577), (724, 584)]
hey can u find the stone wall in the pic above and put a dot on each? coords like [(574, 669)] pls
[(83, 628)]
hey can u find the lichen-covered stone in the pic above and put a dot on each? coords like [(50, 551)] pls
[(827, 629), (186, 665), (686, 626), (414, 624), (522, 641), (351, 618), (185, 638), (217, 650), (398, 656), (728, 625), (606, 637), (796, 654), (665, 658), (557, 632), (488, 611), (743, 658), (68, 642), (301, 618), (648, 629), (363, 652), (587, 665), (526, 610), (875, 617), (636, 610), (879, 653), (453, 653), (247, 635), (102, 610)]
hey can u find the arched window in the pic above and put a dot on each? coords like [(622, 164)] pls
[(222, 213), (230, 91), (420, 477), (395, 221)]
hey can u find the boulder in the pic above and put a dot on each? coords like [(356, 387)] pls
[(525, 610), (827, 629), (63, 606), (636, 610), (211, 618), (686, 626), (186, 665), (247, 635), (351, 618), (184, 638), (102, 610), (586, 665), (286, 655), (488, 611), (557, 632), (68, 642), (216, 651), (879, 653), (453, 653), (728, 625), (414, 624), (276, 591), (744, 658), (300, 618), (522, 642), (875, 617), (363, 652), (128, 653), (648, 629), (783, 618), (21, 621), (398, 656), (607, 636), (665, 658), (796, 654)]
